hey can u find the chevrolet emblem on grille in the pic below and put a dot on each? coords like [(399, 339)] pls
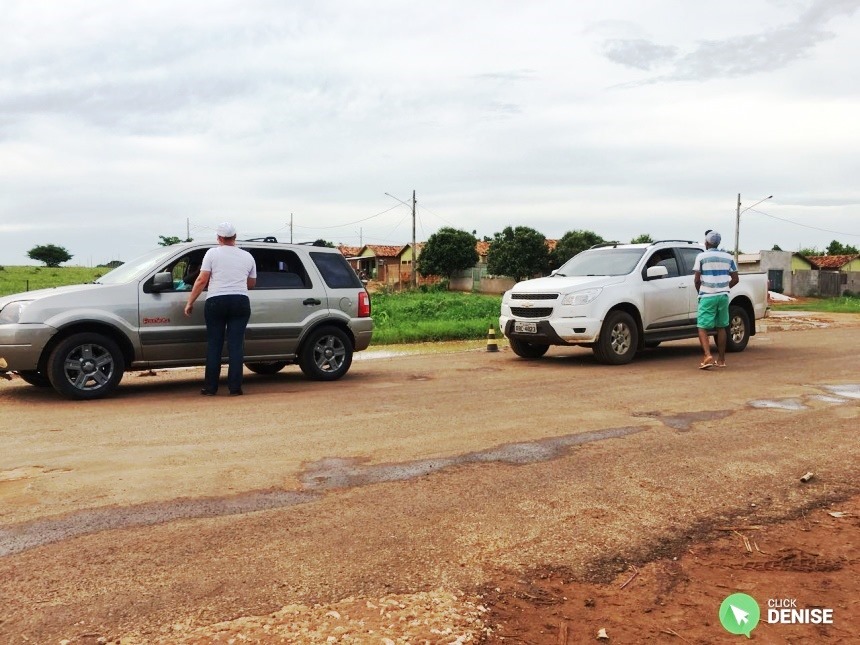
[(527, 303)]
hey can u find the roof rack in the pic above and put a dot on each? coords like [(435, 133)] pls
[(268, 238), (604, 244), (685, 241)]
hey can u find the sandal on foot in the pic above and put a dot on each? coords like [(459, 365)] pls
[(723, 364), (707, 364)]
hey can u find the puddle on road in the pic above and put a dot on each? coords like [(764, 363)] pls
[(847, 391), (779, 404), (328, 474), (325, 474), (28, 535)]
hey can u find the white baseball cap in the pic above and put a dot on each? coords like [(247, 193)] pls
[(225, 229)]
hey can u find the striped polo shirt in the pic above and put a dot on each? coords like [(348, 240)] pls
[(716, 267)]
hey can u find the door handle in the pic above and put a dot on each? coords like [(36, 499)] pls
[(311, 301)]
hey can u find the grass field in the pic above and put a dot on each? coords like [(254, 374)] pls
[(843, 305), (414, 317), (17, 279)]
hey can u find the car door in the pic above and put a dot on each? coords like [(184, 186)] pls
[(666, 299), (285, 301), (167, 335), (688, 258)]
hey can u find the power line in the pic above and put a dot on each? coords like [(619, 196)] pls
[(322, 228), (782, 219)]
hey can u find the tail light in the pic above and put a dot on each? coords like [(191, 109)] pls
[(363, 304)]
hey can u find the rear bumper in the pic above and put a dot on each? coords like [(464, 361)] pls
[(21, 346), (362, 330)]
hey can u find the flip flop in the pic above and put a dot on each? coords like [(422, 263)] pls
[(720, 365), (707, 364)]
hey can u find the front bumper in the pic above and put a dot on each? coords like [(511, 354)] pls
[(560, 331), (21, 345)]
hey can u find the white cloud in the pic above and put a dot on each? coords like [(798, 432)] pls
[(120, 122)]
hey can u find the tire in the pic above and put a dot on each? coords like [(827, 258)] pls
[(618, 339), (272, 367), (34, 378), (738, 332), (525, 349), (86, 366), (326, 355)]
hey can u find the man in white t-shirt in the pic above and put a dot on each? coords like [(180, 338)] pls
[(229, 273)]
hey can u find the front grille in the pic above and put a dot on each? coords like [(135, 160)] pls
[(531, 312), (534, 296)]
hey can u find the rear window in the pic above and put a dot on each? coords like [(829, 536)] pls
[(336, 271)]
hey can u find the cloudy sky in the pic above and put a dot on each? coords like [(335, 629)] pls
[(120, 122)]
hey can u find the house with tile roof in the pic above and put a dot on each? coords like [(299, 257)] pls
[(830, 275)]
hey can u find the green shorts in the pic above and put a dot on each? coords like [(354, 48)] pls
[(713, 312)]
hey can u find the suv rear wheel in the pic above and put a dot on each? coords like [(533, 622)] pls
[(86, 366), (738, 333), (326, 355)]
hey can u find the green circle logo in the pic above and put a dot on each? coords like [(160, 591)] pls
[(740, 614)]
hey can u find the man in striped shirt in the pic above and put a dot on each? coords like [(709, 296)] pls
[(715, 273)]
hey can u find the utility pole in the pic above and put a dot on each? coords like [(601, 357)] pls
[(737, 228), (187, 229), (738, 220), (414, 247), (291, 228)]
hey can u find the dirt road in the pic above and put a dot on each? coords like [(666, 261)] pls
[(434, 497)]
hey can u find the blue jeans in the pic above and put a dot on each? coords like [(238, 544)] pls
[(228, 314)]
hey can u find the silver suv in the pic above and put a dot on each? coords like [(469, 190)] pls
[(309, 307)]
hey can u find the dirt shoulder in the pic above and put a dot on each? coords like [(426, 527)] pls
[(439, 497)]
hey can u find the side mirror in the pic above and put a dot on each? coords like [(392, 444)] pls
[(653, 273), (162, 282), (553, 272)]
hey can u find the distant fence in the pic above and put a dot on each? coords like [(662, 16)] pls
[(824, 284)]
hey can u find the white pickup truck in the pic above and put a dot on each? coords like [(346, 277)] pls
[(621, 298)]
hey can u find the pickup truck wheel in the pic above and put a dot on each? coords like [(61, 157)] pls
[(86, 366), (525, 349), (738, 333), (34, 378), (326, 355), (272, 367), (618, 339)]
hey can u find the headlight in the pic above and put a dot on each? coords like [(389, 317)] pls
[(11, 313), (581, 297)]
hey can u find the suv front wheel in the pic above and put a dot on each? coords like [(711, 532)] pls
[(618, 339), (86, 366), (326, 355)]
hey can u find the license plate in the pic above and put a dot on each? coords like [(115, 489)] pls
[(525, 327)]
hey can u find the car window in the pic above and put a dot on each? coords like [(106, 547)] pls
[(336, 271), (664, 258), (280, 269), (688, 255)]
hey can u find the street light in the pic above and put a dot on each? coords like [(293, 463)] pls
[(738, 220)]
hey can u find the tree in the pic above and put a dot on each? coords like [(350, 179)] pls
[(171, 240), (447, 251), (322, 242), (51, 254), (518, 252), (776, 247), (837, 248), (642, 239), (574, 242)]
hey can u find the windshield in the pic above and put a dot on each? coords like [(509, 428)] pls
[(137, 268), (607, 261)]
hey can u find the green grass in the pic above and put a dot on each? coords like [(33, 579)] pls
[(415, 317), (17, 279), (843, 305)]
